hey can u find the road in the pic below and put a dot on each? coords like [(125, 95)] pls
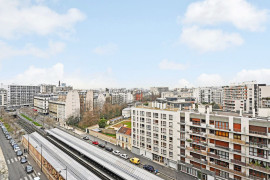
[(15, 168), (165, 172)]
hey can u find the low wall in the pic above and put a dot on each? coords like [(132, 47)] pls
[(103, 137), (108, 131)]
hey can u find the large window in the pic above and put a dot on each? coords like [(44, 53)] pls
[(221, 133), (237, 136), (222, 154)]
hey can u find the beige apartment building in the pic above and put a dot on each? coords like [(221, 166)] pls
[(218, 145), (123, 137)]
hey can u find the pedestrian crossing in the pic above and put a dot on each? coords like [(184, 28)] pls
[(30, 176), (12, 160)]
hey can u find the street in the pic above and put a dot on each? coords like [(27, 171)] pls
[(15, 168)]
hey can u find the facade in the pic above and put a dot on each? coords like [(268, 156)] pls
[(218, 145), (72, 107), (99, 101), (3, 97), (47, 89), (57, 110), (126, 113), (264, 97), (243, 96), (123, 136), (21, 95), (208, 95), (121, 98), (41, 103), (158, 90), (86, 101)]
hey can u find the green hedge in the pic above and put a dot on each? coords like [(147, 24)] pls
[(29, 119)]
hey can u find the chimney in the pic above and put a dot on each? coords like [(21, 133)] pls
[(59, 84)]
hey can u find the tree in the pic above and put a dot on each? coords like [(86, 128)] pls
[(73, 120), (102, 123)]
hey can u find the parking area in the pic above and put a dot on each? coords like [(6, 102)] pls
[(16, 168)]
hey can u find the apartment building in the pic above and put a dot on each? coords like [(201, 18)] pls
[(264, 97), (21, 95), (123, 137), (218, 145), (158, 90), (3, 97), (41, 103), (243, 96), (47, 89), (121, 98), (208, 95), (57, 110)]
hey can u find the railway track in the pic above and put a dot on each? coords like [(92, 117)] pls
[(87, 163)]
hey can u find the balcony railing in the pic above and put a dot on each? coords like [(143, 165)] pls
[(223, 147), (259, 133), (257, 144), (238, 162), (259, 168), (213, 155)]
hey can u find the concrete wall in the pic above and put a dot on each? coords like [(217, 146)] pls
[(3, 167), (109, 131)]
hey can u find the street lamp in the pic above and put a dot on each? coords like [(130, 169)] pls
[(64, 170)]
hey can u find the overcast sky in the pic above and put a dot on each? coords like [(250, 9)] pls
[(98, 44)]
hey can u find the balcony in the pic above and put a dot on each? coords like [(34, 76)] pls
[(259, 168), (201, 161), (236, 130), (227, 169), (223, 147), (238, 162), (256, 177), (258, 133), (218, 137), (261, 145), (213, 155), (237, 141)]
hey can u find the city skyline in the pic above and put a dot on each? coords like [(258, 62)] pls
[(124, 44)]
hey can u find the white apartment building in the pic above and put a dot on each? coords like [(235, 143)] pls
[(155, 133), (41, 103), (208, 95), (3, 97), (121, 98), (21, 95), (243, 96), (47, 89), (57, 110), (158, 90)]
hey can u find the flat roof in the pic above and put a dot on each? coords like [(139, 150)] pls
[(119, 166), (60, 160)]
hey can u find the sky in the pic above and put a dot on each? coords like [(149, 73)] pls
[(98, 44)]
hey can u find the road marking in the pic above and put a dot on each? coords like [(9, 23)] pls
[(12, 161), (21, 179), (30, 176), (34, 175), (25, 178), (8, 161), (38, 173), (16, 159)]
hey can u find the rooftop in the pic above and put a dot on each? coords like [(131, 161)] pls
[(124, 130)]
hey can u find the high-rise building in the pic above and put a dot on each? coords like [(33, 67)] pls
[(208, 95), (47, 89), (243, 96), (21, 95)]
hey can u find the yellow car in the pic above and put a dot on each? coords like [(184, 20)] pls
[(135, 160)]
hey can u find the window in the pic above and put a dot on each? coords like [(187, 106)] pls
[(212, 122), (222, 125), (163, 116), (237, 136), (221, 133), (237, 168), (171, 154), (170, 117), (222, 154), (170, 124)]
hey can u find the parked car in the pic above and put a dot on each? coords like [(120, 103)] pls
[(95, 142), (29, 169), (101, 145), (9, 137), (125, 156), (16, 148), (19, 153), (148, 168), (86, 138), (36, 178), (135, 160), (23, 160), (116, 152), (109, 149), (11, 141)]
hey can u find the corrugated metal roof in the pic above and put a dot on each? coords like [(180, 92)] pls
[(59, 160), (119, 166)]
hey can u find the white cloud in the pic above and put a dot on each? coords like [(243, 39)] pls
[(51, 75), (7, 51), (165, 64), (260, 75), (20, 17), (209, 40), (184, 83), (210, 80), (240, 13), (109, 48)]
